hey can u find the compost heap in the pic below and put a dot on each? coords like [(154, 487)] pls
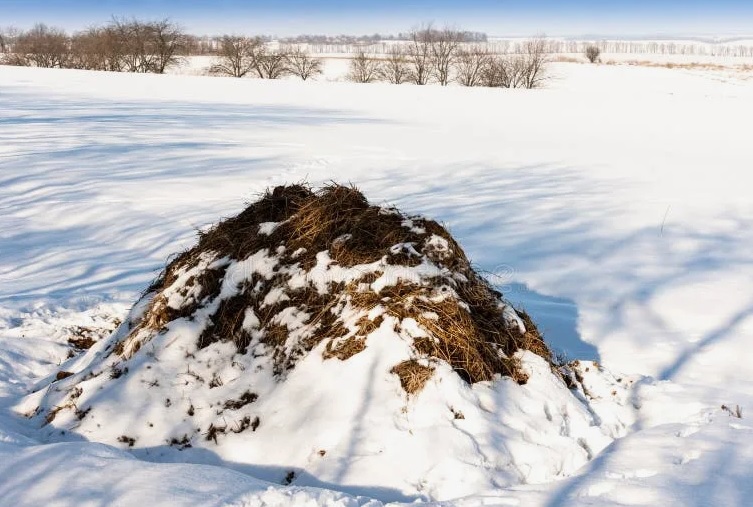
[(315, 339)]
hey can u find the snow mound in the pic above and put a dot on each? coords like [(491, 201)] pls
[(317, 340)]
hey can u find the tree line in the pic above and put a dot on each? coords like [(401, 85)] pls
[(429, 55), (149, 46), (121, 45), (423, 55), (466, 36), (442, 56), (239, 56)]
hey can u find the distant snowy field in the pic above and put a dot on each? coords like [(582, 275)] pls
[(335, 65), (614, 205)]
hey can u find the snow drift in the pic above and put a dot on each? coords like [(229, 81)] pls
[(316, 339)]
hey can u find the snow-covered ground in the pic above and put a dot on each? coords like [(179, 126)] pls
[(613, 205)]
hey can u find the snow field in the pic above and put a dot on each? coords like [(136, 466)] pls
[(616, 201)]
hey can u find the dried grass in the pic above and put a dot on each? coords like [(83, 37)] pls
[(682, 65), (413, 376), (466, 327), (567, 59), (345, 349)]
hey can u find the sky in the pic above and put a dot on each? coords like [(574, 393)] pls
[(495, 17)]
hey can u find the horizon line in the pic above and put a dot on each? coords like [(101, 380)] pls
[(700, 36)]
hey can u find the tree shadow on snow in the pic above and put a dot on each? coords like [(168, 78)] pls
[(72, 222)]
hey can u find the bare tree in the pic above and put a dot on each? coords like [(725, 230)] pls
[(126, 45), (526, 69), (168, 40), (535, 59), (495, 73), (471, 65), (504, 72), (363, 69), (301, 64), (592, 53), (419, 53), (489, 74), (111, 47), (395, 68), (513, 71), (43, 46), (444, 46), (87, 50), (97, 48), (236, 56), (271, 64), (122, 35), (136, 39)]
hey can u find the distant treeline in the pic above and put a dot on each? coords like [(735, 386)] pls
[(152, 46), (559, 46), (465, 36), (132, 45), (656, 48), (429, 55), (123, 35), (424, 55)]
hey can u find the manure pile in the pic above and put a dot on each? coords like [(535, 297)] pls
[(299, 269), (308, 326)]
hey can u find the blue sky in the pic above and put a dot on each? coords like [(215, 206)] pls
[(496, 17)]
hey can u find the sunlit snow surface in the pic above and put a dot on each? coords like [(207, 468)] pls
[(614, 205)]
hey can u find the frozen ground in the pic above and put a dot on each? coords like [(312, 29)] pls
[(614, 205)]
